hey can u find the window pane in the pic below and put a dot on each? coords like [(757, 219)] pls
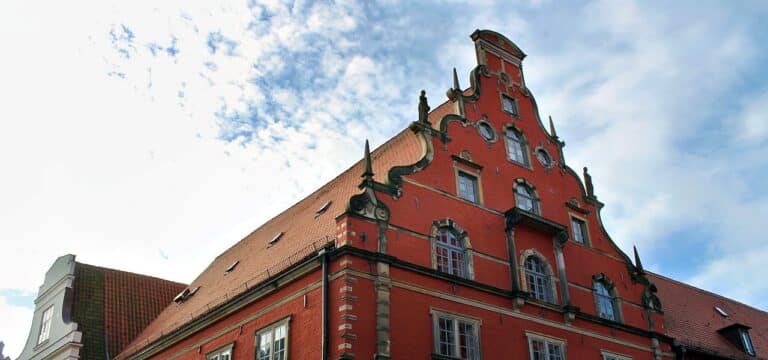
[(468, 187), (457, 263), (446, 334), (537, 350), (578, 235), (442, 258), (467, 342), (265, 346)]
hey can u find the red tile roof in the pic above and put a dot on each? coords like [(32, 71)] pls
[(303, 231), (131, 302), (691, 318), (111, 307)]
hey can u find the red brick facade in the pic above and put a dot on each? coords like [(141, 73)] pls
[(387, 289)]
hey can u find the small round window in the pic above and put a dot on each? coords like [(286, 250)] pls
[(486, 131), (544, 157)]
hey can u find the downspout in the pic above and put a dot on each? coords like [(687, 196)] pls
[(324, 259)]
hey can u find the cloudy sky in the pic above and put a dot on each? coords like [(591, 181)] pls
[(149, 136)]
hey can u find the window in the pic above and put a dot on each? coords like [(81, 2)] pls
[(272, 342), (525, 198), (468, 189), (746, 341), (509, 105), (538, 279), (605, 302), (224, 353), (543, 157), (486, 131), (612, 356), (455, 336), (45, 325), (541, 348), (579, 229), (449, 252), (516, 147)]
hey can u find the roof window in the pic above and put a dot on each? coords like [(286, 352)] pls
[(721, 311), (184, 295), (275, 239), (323, 208), (738, 334), (231, 267)]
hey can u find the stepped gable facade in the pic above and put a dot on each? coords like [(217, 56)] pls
[(465, 236)]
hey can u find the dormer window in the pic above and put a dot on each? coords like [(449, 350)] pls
[(746, 341), (738, 334)]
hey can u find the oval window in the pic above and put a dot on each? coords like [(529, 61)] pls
[(486, 131)]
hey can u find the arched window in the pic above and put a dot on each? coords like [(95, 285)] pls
[(516, 146), (525, 198), (538, 279), (450, 252), (606, 304)]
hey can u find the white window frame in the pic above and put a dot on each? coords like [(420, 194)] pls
[(531, 277), (271, 330), (528, 194), (581, 224), (46, 318), (474, 181), (222, 353), (547, 342), (513, 101), (746, 342), (460, 269), (516, 145), (457, 321), (607, 355), (607, 298)]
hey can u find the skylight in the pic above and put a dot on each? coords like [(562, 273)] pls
[(232, 267), (323, 208), (184, 295), (181, 296), (721, 311), (276, 238)]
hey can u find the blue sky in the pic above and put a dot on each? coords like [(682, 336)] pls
[(131, 130)]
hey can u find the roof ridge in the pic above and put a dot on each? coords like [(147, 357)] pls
[(678, 282), (132, 273)]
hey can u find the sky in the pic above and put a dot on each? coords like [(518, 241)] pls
[(150, 136)]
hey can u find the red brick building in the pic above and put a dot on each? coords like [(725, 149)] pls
[(464, 236)]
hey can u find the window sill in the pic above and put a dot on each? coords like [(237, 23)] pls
[(522, 165)]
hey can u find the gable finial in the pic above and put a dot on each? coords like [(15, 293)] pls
[(552, 128), (588, 183), (368, 174), (423, 108), (638, 263), (456, 86)]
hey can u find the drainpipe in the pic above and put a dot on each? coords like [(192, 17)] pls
[(324, 259)]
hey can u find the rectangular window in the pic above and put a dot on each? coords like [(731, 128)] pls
[(468, 187), (579, 229), (223, 353), (456, 337), (509, 104), (45, 325), (272, 342), (747, 342), (612, 356), (541, 348)]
